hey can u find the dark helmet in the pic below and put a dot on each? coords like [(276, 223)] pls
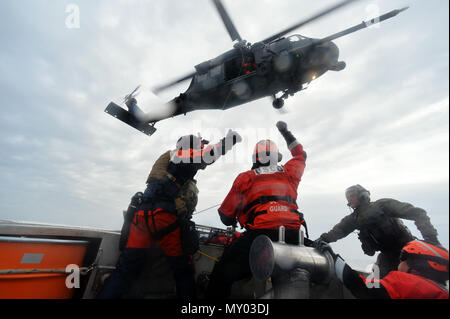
[(266, 150), (428, 260), (362, 193)]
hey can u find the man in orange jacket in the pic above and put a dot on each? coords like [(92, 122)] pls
[(421, 274), (156, 220), (261, 200)]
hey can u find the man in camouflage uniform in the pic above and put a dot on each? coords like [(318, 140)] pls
[(380, 227)]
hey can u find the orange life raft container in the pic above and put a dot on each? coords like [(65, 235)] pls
[(35, 268)]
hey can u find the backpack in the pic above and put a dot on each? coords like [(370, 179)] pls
[(187, 197)]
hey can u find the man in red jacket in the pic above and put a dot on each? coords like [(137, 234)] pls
[(261, 200), (422, 274)]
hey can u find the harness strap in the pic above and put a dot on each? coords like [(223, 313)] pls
[(158, 234)]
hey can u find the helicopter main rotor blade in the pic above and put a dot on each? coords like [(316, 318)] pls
[(227, 21), (315, 17), (362, 25), (168, 85)]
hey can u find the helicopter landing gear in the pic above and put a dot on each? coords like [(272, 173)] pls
[(278, 103)]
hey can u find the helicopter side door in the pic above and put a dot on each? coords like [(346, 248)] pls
[(211, 79)]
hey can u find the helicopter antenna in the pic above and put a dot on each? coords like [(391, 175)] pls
[(232, 31), (314, 17)]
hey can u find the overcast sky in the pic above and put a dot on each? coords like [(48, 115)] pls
[(382, 122)]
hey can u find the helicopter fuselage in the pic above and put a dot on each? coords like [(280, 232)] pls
[(248, 73)]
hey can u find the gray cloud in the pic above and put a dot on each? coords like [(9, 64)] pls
[(381, 122)]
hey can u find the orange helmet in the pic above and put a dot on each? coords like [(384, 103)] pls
[(265, 150), (427, 259)]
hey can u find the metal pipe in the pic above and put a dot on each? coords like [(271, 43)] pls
[(268, 259), (301, 239), (281, 235)]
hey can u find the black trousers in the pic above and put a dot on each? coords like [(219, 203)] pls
[(234, 264), (129, 266)]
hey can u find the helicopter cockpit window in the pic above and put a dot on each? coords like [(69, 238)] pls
[(295, 37)]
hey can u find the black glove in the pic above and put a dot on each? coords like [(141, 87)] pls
[(323, 247), (282, 126), (288, 137), (317, 242), (136, 200)]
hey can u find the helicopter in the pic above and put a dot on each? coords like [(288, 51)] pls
[(247, 72)]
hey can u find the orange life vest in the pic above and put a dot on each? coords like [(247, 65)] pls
[(402, 285), (270, 201)]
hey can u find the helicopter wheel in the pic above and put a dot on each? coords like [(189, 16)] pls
[(278, 103)]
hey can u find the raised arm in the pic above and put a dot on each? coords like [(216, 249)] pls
[(212, 152), (295, 166)]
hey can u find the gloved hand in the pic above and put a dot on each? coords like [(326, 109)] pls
[(233, 136), (282, 126), (136, 200), (288, 137), (323, 247), (316, 243)]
